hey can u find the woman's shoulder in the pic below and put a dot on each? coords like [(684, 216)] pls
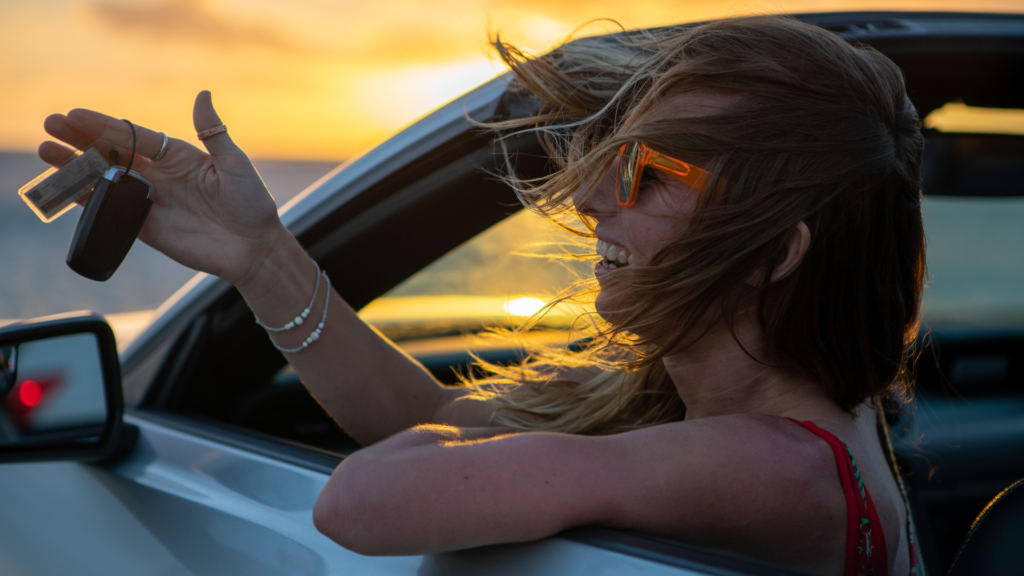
[(759, 442), (743, 458), (748, 431), (753, 484)]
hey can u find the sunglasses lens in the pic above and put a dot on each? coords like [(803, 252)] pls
[(627, 171)]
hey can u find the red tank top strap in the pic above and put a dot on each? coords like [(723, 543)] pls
[(866, 551)]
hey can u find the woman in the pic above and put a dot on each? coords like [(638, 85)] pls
[(758, 291)]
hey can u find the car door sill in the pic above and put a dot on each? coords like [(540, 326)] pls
[(295, 453)]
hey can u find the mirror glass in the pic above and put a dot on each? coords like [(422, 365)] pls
[(54, 391)]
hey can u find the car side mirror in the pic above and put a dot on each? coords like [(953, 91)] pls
[(60, 390)]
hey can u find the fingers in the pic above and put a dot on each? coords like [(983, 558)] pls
[(53, 153), (96, 125), (82, 128), (57, 125), (205, 117)]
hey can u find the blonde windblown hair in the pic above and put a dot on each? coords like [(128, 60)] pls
[(822, 132)]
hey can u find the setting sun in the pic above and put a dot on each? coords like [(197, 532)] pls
[(524, 306)]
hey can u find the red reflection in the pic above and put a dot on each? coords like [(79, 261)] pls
[(30, 393), (33, 394)]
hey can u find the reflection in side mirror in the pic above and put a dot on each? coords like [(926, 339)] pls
[(60, 390), (57, 394)]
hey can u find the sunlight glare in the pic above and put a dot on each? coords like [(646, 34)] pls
[(524, 306), (958, 117), (542, 32), (412, 91)]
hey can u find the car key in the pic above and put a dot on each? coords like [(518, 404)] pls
[(112, 219), (110, 223)]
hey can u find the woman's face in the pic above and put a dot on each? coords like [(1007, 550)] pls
[(632, 236)]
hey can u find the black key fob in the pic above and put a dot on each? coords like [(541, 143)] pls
[(113, 217)]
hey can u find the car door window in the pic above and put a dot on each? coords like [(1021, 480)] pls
[(500, 277)]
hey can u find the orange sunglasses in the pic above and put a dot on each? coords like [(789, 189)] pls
[(635, 156)]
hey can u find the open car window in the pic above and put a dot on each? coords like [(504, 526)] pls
[(500, 277)]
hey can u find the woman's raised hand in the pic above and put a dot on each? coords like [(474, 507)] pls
[(211, 211)]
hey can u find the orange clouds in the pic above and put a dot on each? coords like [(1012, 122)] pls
[(299, 79), (186, 20)]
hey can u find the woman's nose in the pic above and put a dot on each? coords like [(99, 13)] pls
[(601, 200)]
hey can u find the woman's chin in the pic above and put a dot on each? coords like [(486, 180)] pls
[(607, 308), (607, 305)]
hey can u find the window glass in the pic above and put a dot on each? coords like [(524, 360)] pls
[(975, 259), (500, 277)]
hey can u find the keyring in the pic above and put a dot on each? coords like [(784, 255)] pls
[(134, 142)]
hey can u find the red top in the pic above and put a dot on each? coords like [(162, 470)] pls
[(865, 542)]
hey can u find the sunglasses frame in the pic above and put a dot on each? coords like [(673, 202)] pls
[(692, 176)]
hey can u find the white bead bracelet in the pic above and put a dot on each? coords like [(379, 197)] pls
[(315, 334), (301, 317)]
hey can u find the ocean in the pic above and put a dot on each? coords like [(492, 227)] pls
[(36, 281)]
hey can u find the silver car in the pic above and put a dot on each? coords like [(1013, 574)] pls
[(198, 451)]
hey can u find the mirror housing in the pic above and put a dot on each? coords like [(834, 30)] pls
[(60, 395)]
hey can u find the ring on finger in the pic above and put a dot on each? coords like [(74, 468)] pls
[(163, 148), (212, 132)]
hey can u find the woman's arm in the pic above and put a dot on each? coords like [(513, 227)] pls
[(371, 387), (436, 488), (213, 213), (744, 483)]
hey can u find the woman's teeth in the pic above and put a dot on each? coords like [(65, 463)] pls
[(615, 256)]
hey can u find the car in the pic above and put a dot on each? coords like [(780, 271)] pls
[(214, 462)]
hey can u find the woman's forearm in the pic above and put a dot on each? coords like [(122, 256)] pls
[(370, 387), (376, 501)]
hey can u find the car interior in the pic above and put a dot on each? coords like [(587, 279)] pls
[(959, 440)]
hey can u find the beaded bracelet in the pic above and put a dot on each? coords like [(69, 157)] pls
[(301, 317), (315, 334)]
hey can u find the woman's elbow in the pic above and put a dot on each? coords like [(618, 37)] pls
[(335, 516), (329, 515), (347, 514)]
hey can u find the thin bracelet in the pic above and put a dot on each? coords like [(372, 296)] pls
[(301, 317), (315, 334)]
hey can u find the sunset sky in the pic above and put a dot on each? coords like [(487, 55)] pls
[(302, 79)]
